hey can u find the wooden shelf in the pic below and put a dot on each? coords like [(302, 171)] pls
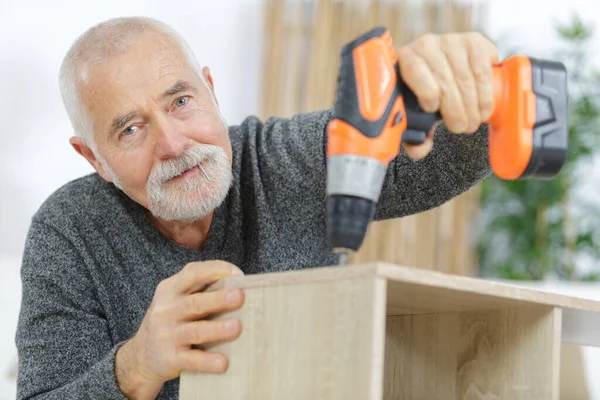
[(381, 331)]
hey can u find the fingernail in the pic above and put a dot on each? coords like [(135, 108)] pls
[(219, 363), (220, 275), (473, 128), (231, 326), (233, 296), (236, 272)]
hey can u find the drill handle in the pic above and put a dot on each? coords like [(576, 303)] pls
[(419, 122)]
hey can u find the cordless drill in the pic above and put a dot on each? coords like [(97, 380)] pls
[(375, 111)]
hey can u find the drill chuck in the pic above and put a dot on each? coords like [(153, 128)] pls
[(348, 219)]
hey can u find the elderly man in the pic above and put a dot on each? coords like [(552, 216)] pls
[(116, 262)]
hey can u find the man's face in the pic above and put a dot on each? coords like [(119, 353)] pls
[(158, 128)]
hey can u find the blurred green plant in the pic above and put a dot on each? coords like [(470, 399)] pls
[(531, 230)]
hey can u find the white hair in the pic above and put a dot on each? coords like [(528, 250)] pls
[(98, 43)]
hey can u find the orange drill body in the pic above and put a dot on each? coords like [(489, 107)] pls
[(376, 78), (375, 112)]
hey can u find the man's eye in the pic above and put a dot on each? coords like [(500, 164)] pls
[(130, 130), (182, 101)]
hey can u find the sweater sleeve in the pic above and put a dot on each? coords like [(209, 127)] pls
[(455, 164), (64, 345), (291, 162)]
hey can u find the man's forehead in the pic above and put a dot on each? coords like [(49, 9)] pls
[(147, 64), (146, 71)]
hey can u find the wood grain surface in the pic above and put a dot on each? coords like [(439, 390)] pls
[(452, 292), (418, 291), (381, 331), (510, 353), (320, 340)]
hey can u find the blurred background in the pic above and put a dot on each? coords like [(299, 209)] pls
[(279, 57)]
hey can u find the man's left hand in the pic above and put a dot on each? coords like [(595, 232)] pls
[(450, 73)]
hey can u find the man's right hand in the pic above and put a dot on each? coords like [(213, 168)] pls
[(175, 321)]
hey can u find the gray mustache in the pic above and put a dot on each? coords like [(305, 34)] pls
[(192, 157)]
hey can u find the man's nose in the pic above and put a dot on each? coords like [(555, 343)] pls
[(171, 142)]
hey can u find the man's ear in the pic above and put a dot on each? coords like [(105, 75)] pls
[(84, 150), (209, 79)]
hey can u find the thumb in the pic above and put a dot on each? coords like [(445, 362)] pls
[(420, 151), (236, 271)]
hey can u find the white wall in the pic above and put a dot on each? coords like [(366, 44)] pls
[(529, 24), (35, 157)]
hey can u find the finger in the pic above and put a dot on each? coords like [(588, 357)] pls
[(451, 107), (202, 304), (458, 58), (202, 332), (197, 276), (202, 361), (418, 77), (420, 151), (482, 56)]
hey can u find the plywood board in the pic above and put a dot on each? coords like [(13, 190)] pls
[(311, 340), (417, 291), (510, 353)]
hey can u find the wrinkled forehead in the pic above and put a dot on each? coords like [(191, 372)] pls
[(135, 76)]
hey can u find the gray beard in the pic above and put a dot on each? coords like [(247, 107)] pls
[(195, 197)]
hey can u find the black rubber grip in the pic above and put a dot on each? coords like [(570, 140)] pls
[(419, 122)]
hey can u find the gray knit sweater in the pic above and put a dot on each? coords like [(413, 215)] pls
[(93, 260)]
